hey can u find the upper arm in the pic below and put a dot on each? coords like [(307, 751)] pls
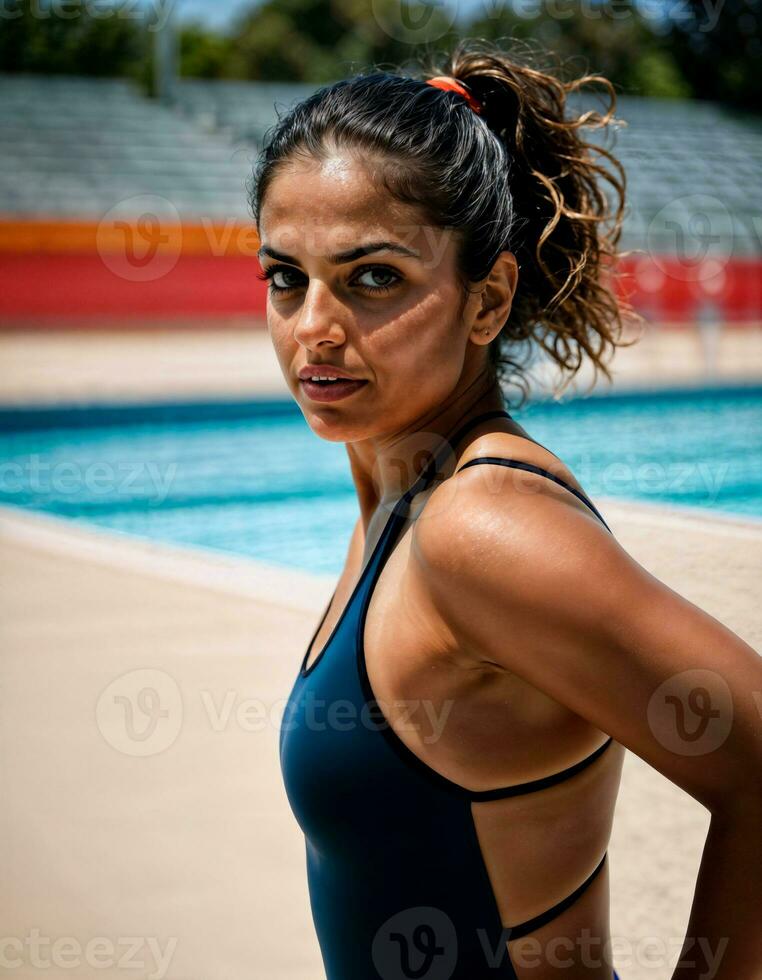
[(541, 588)]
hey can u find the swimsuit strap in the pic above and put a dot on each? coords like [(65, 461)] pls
[(428, 473), (430, 470), (520, 464), (532, 785), (524, 928)]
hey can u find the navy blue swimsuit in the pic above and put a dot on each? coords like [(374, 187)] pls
[(397, 882)]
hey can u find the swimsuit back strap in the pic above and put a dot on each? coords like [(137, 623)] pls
[(519, 789), (524, 928)]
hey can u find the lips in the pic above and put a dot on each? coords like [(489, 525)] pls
[(329, 391)]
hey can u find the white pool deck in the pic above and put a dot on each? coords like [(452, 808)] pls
[(171, 833), (235, 359)]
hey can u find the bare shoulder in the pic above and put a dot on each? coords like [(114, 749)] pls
[(521, 507), (514, 523), (529, 580)]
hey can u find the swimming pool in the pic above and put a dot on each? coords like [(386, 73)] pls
[(252, 479)]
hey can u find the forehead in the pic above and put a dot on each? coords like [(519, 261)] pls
[(330, 205)]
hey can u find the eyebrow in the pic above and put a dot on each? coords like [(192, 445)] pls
[(348, 256)]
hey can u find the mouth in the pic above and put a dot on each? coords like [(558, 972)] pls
[(330, 391)]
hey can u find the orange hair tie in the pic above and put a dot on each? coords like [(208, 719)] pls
[(448, 84)]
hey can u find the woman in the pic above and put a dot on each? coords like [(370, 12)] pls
[(454, 739)]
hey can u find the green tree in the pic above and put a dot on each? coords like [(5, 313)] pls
[(205, 54), (40, 39), (323, 40), (693, 49), (718, 50), (602, 41)]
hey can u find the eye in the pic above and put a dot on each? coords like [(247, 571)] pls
[(278, 270), (381, 271)]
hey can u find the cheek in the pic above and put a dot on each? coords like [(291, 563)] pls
[(280, 336), (423, 342)]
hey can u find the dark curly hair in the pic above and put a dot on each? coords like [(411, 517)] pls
[(518, 176)]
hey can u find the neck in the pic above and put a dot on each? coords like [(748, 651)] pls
[(384, 467)]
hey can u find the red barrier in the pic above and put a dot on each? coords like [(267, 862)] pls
[(82, 285), (665, 288), (52, 270)]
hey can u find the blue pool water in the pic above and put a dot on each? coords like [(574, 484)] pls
[(251, 478)]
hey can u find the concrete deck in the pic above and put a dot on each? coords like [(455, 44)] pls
[(236, 360)]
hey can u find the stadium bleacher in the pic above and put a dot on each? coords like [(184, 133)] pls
[(78, 146), (242, 111), (696, 158), (78, 149)]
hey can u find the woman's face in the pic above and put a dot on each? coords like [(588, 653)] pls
[(391, 317)]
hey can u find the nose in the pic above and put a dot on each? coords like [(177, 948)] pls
[(320, 317)]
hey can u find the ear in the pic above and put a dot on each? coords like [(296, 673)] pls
[(497, 295)]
